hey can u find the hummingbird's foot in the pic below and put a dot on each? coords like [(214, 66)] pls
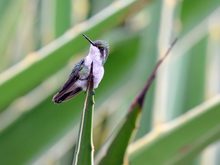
[(93, 92)]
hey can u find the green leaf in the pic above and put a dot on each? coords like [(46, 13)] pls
[(37, 130), (84, 152), (191, 16), (180, 139), (195, 67), (38, 66), (62, 16), (10, 16), (97, 6), (113, 152), (118, 144), (184, 93), (148, 59)]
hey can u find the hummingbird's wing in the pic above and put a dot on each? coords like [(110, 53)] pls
[(69, 90), (58, 98)]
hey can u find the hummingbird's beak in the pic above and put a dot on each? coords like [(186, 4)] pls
[(88, 39)]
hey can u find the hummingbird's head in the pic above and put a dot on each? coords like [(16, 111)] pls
[(98, 47)]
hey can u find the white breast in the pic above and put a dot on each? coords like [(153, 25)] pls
[(98, 73), (98, 70)]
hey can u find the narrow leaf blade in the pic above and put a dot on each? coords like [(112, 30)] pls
[(180, 139), (84, 149)]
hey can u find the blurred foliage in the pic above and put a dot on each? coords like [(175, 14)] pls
[(35, 131)]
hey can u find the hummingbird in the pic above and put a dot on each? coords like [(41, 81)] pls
[(78, 79)]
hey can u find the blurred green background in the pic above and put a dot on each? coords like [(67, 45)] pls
[(40, 41)]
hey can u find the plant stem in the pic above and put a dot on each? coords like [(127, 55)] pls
[(84, 153)]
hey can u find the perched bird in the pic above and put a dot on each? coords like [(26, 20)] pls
[(77, 81)]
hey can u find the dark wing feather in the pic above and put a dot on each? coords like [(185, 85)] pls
[(66, 96), (74, 76)]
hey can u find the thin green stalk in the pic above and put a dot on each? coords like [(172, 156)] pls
[(84, 153)]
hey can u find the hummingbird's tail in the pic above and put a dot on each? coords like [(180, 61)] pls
[(60, 96)]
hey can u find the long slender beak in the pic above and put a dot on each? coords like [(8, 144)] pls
[(88, 39)]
